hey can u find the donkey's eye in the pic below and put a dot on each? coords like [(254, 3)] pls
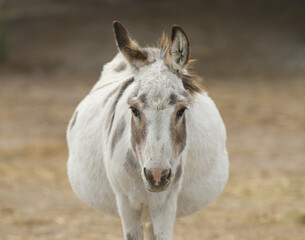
[(180, 113), (135, 111)]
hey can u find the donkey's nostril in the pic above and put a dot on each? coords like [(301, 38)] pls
[(148, 174), (169, 174)]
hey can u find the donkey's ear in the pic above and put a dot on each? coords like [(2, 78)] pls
[(128, 47), (179, 49)]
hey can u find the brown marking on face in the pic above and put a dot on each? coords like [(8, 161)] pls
[(113, 107), (138, 131), (178, 134), (131, 164), (178, 173), (74, 117), (118, 133), (143, 99), (122, 66), (173, 98), (179, 102)]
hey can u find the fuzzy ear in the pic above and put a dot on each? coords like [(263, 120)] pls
[(128, 47), (179, 49)]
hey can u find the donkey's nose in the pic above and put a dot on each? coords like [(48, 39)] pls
[(157, 177)]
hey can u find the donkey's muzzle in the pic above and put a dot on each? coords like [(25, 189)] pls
[(157, 179)]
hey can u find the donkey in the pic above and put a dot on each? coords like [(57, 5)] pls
[(147, 144)]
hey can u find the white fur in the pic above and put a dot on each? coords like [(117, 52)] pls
[(100, 178)]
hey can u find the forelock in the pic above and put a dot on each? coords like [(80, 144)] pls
[(157, 87), (191, 82)]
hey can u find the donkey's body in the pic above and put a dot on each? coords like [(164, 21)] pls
[(104, 166)]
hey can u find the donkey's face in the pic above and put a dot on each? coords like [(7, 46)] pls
[(158, 105), (158, 124)]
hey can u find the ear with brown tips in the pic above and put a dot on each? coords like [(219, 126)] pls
[(128, 47), (179, 49)]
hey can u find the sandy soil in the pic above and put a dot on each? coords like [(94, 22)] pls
[(257, 81)]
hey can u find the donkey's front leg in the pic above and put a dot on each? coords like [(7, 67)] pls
[(163, 218), (130, 218)]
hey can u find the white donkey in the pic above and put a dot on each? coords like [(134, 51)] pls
[(147, 144)]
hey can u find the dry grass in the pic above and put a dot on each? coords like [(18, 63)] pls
[(263, 199)]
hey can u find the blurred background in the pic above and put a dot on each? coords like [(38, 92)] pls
[(252, 57)]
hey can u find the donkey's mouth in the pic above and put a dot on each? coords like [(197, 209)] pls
[(154, 188)]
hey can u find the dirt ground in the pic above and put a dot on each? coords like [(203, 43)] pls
[(254, 68)]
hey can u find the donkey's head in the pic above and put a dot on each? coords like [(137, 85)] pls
[(163, 91)]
